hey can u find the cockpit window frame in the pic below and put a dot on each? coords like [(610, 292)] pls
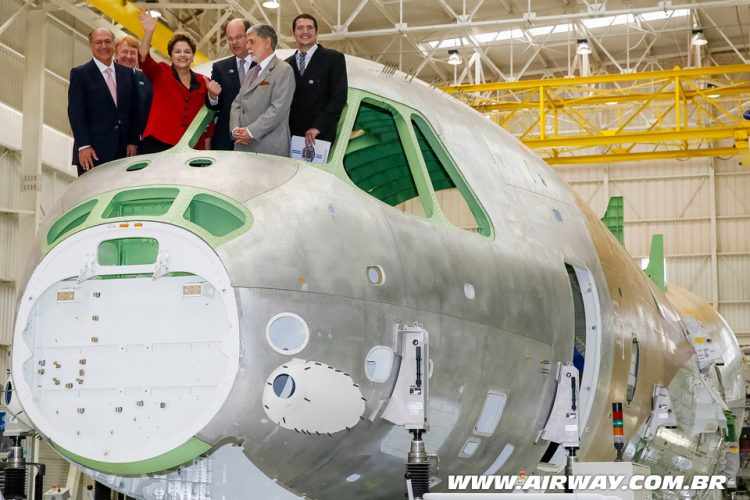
[(408, 144), (403, 116)]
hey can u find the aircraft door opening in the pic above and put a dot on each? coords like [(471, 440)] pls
[(587, 335)]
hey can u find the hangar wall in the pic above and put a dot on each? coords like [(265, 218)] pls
[(65, 49)]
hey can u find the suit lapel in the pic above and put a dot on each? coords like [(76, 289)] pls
[(232, 70), (313, 63), (121, 78)]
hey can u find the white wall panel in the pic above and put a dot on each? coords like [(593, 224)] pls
[(692, 273), (734, 278)]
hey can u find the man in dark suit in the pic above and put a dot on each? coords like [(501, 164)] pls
[(320, 74), (229, 74), (126, 53), (102, 106)]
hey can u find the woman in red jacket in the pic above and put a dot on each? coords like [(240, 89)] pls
[(179, 93)]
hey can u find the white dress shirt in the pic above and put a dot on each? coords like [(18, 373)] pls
[(244, 62), (265, 62), (104, 68)]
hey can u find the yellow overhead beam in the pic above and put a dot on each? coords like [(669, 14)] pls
[(610, 99), (597, 79), (738, 132), (127, 15), (678, 110), (646, 155)]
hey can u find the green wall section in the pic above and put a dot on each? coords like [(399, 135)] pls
[(656, 270), (614, 218), (189, 451)]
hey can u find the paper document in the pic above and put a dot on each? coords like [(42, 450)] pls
[(314, 154)]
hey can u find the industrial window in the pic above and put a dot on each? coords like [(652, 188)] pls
[(213, 214), (141, 202), (127, 252), (375, 159), (71, 220), (456, 199)]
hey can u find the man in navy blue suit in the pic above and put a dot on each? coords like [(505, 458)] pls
[(102, 106), (126, 53), (229, 74)]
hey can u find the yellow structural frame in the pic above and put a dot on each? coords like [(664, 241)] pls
[(688, 113), (127, 15)]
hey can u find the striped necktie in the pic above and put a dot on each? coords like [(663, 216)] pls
[(301, 56)]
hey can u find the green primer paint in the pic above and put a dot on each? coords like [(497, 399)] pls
[(185, 453), (444, 173), (378, 164), (141, 201), (656, 270), (71, 220), (174, 214), (213, 214), (127, 252), (614, 218), (731, 428)]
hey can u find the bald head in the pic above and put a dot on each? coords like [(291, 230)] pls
[(237, 37), (102, 43)]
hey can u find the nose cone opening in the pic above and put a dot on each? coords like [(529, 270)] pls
[(126, 342)]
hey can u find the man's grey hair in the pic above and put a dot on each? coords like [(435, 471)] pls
[(265, 31)]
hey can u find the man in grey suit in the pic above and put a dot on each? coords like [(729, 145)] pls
[(259, 120)]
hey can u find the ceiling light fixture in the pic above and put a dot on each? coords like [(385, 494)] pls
[(271, 4), (454, 57), (698, 38), (583, 48)]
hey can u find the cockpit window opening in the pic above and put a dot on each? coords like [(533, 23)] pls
[(152, 201), (380, 161), (71, 220), (213, 214), (445, 176)]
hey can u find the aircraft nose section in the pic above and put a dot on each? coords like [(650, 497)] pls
[(127, 345)]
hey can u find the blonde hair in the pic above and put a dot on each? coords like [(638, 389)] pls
[(129, 41)]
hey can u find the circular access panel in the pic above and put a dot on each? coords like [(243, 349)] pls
[(287, 333)]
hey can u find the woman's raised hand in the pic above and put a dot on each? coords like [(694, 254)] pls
[(147, 21)]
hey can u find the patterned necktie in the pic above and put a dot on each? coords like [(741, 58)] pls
[(111, 84), (301, 62), (242, 70), (252, 74)]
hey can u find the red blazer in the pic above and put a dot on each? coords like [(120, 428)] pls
[(173, 106)]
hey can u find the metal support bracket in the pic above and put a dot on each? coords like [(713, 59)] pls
[(661, 412), (562, 424)]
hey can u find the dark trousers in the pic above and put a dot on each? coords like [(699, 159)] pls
[(149, 145)]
